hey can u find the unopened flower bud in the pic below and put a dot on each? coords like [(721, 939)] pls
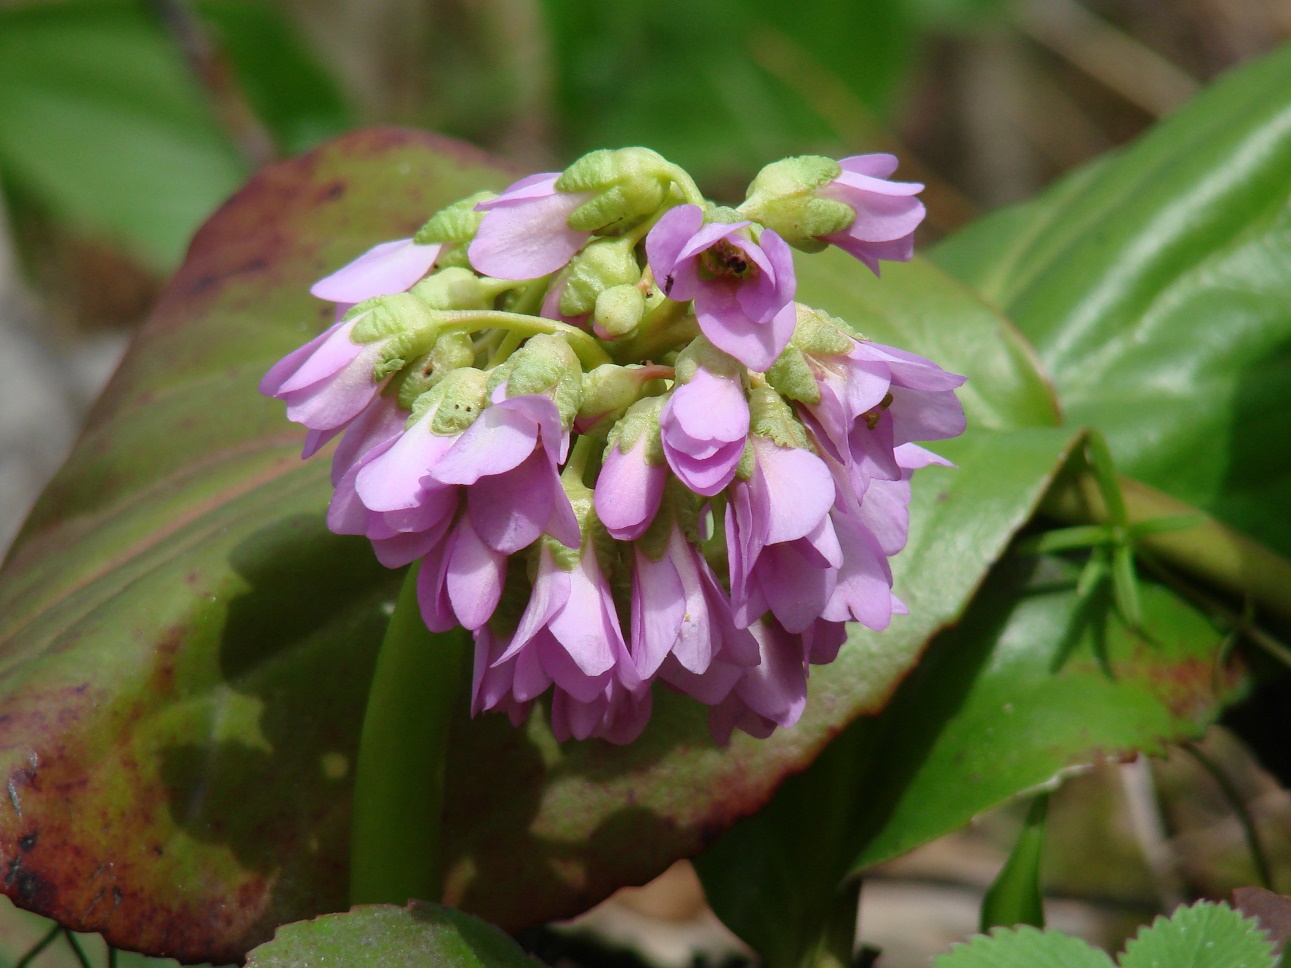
[(813, 201), (455, 223), (609, 390), (629, 184), (403, 326), (451, 351), (820, 334), (457, 400), (783, 197), (633, 472), (602, 265), (544, 366), (618, 312), (456, 288)]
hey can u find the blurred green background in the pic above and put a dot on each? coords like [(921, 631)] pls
[(123, 123)]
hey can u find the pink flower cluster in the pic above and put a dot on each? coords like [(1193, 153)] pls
[(711, 535)]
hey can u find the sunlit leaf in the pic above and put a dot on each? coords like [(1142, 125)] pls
[(1156, 289)]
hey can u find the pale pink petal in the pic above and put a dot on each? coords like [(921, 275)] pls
[(511, 510), (658, 610), (474, 576), (381, 271), (798, 486), (525, 234), (876, 164), (499, 440), (285, 368), (663, 249), (628, 492)]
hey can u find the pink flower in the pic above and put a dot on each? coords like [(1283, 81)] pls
[(508, 461), (887, 212), (379, 421), (680, 611), (525, 233), (381, 271), (704, 425), (743, 290), (568, 637), (327, 382), (619, 715), (628, 491), (783, 552), (460, 582), (875, 398)]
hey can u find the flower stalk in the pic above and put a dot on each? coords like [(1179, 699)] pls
[(396, 837)]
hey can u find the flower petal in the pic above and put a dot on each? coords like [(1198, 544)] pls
[(381, 271)]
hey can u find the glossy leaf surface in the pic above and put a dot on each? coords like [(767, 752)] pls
[(185, 651), (385, 936), (1156, 287)]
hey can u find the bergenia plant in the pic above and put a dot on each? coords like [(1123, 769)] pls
[(592, 415)]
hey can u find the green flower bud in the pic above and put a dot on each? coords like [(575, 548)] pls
[(402, 323), (456, 401), (451, 351), (630, 184), (817, 333), (609, 390), (456, 288), (619, 310), (454, 224), (387, 316), (792, 376), (544, 365), (601, 265), (782, 197)]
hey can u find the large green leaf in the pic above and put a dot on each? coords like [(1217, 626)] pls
[(1029, 684), (1156, 286), (384, 936), (101, 121), (185, 651)]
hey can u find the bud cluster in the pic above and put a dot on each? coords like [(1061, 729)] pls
[(621, 451)]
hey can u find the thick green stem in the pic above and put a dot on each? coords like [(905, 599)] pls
[(838, 939), (1210, 551), (399, 778), (668, 327), (584, 345)]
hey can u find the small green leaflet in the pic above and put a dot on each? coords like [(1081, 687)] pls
[(1205, 935)]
